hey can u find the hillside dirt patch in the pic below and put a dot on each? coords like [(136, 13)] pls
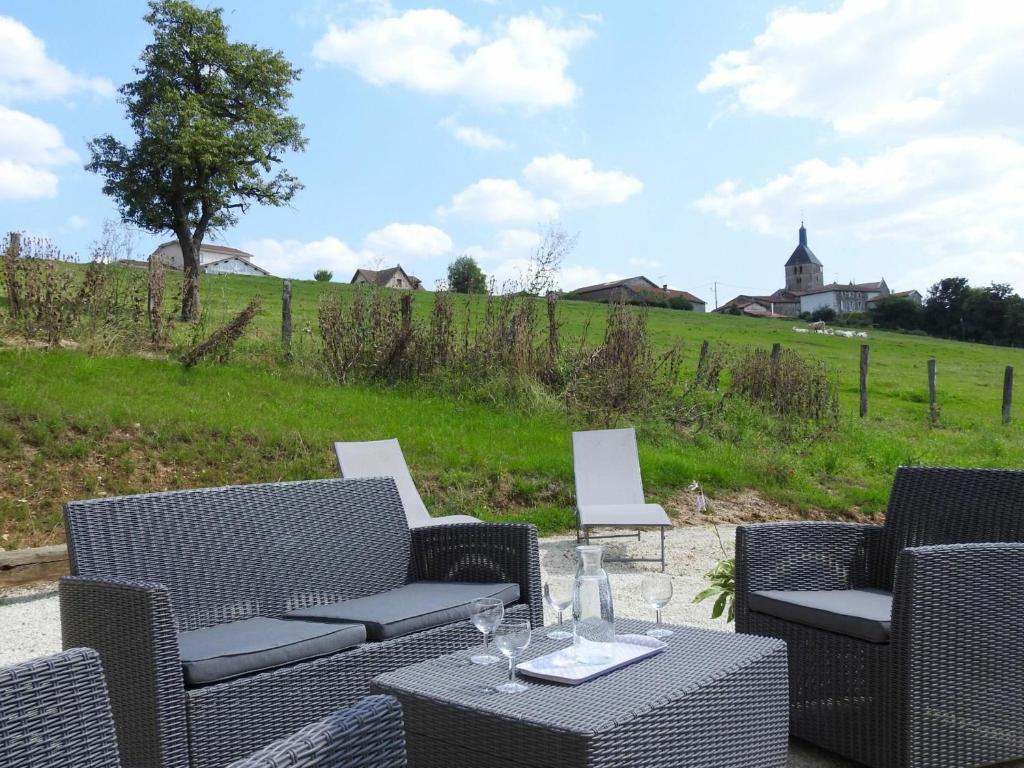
[(736, 508)]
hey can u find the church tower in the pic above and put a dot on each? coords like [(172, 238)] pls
[(803, 270)]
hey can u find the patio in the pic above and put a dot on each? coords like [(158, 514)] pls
[(30, 627)]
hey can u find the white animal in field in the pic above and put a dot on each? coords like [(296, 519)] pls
[(802, 330)]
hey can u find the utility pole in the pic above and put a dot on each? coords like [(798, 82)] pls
[(716, 293)]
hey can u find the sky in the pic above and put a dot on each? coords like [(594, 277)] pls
[(682, 140)]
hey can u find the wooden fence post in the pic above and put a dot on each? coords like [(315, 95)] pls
[(702, 361), (776, 352), (933, 404), (406, 309), (863, 380), (554, 343), (10, 263), (1007, 393), (286, 314)]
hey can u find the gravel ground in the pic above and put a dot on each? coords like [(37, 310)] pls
[(30, 621)]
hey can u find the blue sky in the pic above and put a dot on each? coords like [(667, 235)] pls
[(682, 140)]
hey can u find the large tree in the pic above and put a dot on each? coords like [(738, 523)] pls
[(465, 276), (211, 125)]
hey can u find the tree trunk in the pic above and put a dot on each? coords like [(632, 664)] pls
[(190, 307)]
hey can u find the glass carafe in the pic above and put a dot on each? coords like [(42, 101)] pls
[(592, 612)]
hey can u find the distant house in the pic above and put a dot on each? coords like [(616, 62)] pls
[(634, 289), (215, 259), (843, 297), (759, 306), (392, 277), (914, 296)]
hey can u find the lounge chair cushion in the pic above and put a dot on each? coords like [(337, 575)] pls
[(630, 515), (412, 608), (252, 645), (861, 613)]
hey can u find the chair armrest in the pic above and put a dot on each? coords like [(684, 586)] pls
[(54, 712), (800, 555), (369, 734), (481, 552), (131, 626), (958, 642)]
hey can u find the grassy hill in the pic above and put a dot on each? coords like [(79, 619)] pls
[(74, 425)]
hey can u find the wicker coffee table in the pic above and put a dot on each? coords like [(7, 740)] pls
[(710, 700)]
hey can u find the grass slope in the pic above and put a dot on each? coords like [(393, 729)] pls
[(73, 426)]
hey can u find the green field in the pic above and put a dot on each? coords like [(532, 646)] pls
[(74, 425)]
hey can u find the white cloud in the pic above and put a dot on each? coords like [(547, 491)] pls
[(522, 62), (74, 223), (519, 240), (27, 72), (408, 240), (556, 180), (874, 63), (577, 276), (29, 149), (501, 200), (950, 201), (575, 183), (294, 258), (475, 137)]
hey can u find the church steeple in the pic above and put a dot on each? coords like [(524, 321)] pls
[(803, 235), (803, 270)]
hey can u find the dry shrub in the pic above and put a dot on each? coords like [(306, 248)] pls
[(788, 386), (221, 342), (622, 375), (41, 291), (363, 340)]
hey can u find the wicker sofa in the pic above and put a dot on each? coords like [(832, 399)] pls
[(906, 640), (173, 589), (54, 713)]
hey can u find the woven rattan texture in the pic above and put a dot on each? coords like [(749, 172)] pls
[(711, 700), (948, 690), (254, 550), (130, 617), (368, 735), (935, 505), (54, 714)]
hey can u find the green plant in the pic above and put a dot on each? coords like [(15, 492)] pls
[(723, 584), (323, 275), (210, 122), (465, 276)]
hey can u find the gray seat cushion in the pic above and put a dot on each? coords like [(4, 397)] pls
[(253, 645), (412, 608), (862, 613)]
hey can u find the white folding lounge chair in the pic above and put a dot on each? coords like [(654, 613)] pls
[(609, 491), (383, 458)]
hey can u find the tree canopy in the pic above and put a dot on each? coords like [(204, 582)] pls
[(211, 125), (465, 276)]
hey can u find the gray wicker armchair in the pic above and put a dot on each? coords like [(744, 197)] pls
[(54, 713), (154, 574), (906, 641)]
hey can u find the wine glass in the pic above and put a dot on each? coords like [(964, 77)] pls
[(512, 638), (558, 595), (656, 589), (486, 613)]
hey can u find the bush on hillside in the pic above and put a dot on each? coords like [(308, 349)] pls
[(323, 275)]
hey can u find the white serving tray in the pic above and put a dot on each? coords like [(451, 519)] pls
[(626, 649)]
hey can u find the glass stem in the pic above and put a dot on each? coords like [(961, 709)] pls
[(511, 670), (485, 643), (560, 611), (657, 614)]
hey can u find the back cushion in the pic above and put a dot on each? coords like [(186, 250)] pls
[(251, 550), (931, 505)]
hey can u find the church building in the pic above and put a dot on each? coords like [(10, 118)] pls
[(806, 290)]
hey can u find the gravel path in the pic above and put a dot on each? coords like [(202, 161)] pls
[(30, 620)]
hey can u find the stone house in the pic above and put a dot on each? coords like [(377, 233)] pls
[(392, 277), (634, 289), (214, 259)]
